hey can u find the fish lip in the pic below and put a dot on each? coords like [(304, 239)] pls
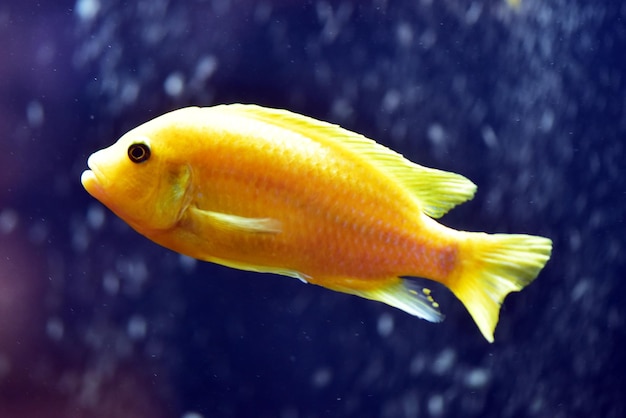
[(93, 179)]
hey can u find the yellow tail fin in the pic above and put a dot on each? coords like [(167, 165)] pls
[(491, 267)]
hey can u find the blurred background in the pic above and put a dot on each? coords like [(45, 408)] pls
[(526, 98)]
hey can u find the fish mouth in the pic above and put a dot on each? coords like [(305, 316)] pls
[(92, 179)]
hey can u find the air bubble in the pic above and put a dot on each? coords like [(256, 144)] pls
[(137, 328), (8, 221), (174, 84), (385, 325), (87, 9)]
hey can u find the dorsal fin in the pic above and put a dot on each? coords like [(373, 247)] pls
[(436, 191)]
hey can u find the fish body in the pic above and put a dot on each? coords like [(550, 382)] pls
[(269, 190)]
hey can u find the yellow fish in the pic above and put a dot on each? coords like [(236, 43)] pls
[(268, 190)]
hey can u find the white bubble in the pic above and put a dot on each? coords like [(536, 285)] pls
[(205, 68), (444, 362), (135, 273), (111, 283), (87, 9), (436, 134), (404, 33), (385, 325), (435, 405), (174, 84), (95, 216), (477, 378), (547, 120), (34, 114), (187, 263), (8, 221), (80, 238), (473, 13), (341, 108), (322, 377), (192, 414), (581, 289), (55, 328), (137, 327), (489, 136), (130, 92), (391, 101)]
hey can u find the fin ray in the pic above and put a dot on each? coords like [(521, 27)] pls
[(262, 269), (238, 223), (405, 295)]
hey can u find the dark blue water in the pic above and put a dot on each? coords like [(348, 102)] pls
[(97, 321)]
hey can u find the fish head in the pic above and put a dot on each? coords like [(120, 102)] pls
[(141, 180)]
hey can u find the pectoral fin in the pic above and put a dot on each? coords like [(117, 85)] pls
[(230, 222)]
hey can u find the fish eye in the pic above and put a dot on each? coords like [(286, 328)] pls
[(139, 152)]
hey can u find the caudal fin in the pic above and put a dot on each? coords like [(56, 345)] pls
[(491, 267)]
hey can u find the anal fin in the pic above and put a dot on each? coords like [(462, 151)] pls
[(406, 295)]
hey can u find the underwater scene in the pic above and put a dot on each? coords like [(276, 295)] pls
[(109, 308)]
